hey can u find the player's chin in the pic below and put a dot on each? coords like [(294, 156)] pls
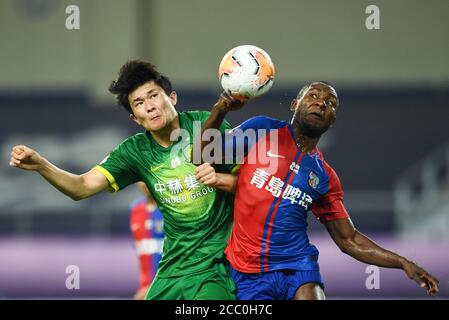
[(316, 128), (316, 122), (155, 126)]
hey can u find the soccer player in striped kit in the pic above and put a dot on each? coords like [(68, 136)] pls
[(269, 250), (147, 229)]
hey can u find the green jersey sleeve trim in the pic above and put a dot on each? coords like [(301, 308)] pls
[(235, 169), (113, 187)]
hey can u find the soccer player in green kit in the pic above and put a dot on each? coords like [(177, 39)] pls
[(197, 217)]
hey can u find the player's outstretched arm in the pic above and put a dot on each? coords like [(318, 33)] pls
[(207, 175), (75, 186), (224, 104), (360, 247)]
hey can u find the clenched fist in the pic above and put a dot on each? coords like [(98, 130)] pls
[(206, 174), (25, 158)]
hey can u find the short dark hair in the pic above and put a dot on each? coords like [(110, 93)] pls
[(307, 86), (132, 75)]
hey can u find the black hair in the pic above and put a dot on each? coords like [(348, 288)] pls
[(132, 75), (307, 86)]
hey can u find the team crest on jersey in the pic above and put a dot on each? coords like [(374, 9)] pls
[(313, 180), (175, 162)]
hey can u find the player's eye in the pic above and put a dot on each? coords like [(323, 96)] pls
[(154, 95), (314, 95)]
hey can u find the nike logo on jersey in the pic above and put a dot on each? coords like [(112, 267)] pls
[(154, 169), (272, 155)]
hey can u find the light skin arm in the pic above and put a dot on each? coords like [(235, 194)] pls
[(207, 175), (74, 186), (360, 247)]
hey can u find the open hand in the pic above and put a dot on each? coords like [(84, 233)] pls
[(422, 277)]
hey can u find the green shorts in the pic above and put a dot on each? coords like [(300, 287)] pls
[(212, 284)]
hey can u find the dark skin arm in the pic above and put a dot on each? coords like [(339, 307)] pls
[(224, 104), (360, 247)]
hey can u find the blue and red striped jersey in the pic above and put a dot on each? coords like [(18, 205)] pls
[(277, 186), (148, 234)]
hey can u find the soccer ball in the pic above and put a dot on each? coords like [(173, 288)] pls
[(246, 72)]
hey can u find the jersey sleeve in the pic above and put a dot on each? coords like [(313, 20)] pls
[(330, 206), (118, 169)]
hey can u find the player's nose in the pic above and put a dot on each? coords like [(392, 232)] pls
[(149, 106), (320, 104)]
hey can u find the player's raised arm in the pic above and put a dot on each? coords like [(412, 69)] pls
[(360, 247), (75, 186), (224, 104)]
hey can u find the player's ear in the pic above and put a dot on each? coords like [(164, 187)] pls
[(133, 118), (174, 97), (294, 104), (334, 117)]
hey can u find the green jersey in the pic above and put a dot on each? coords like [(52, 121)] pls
[(197, 218)]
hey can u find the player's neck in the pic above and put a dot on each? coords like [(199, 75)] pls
[(305, 144), (306, 140), (162, 136)]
